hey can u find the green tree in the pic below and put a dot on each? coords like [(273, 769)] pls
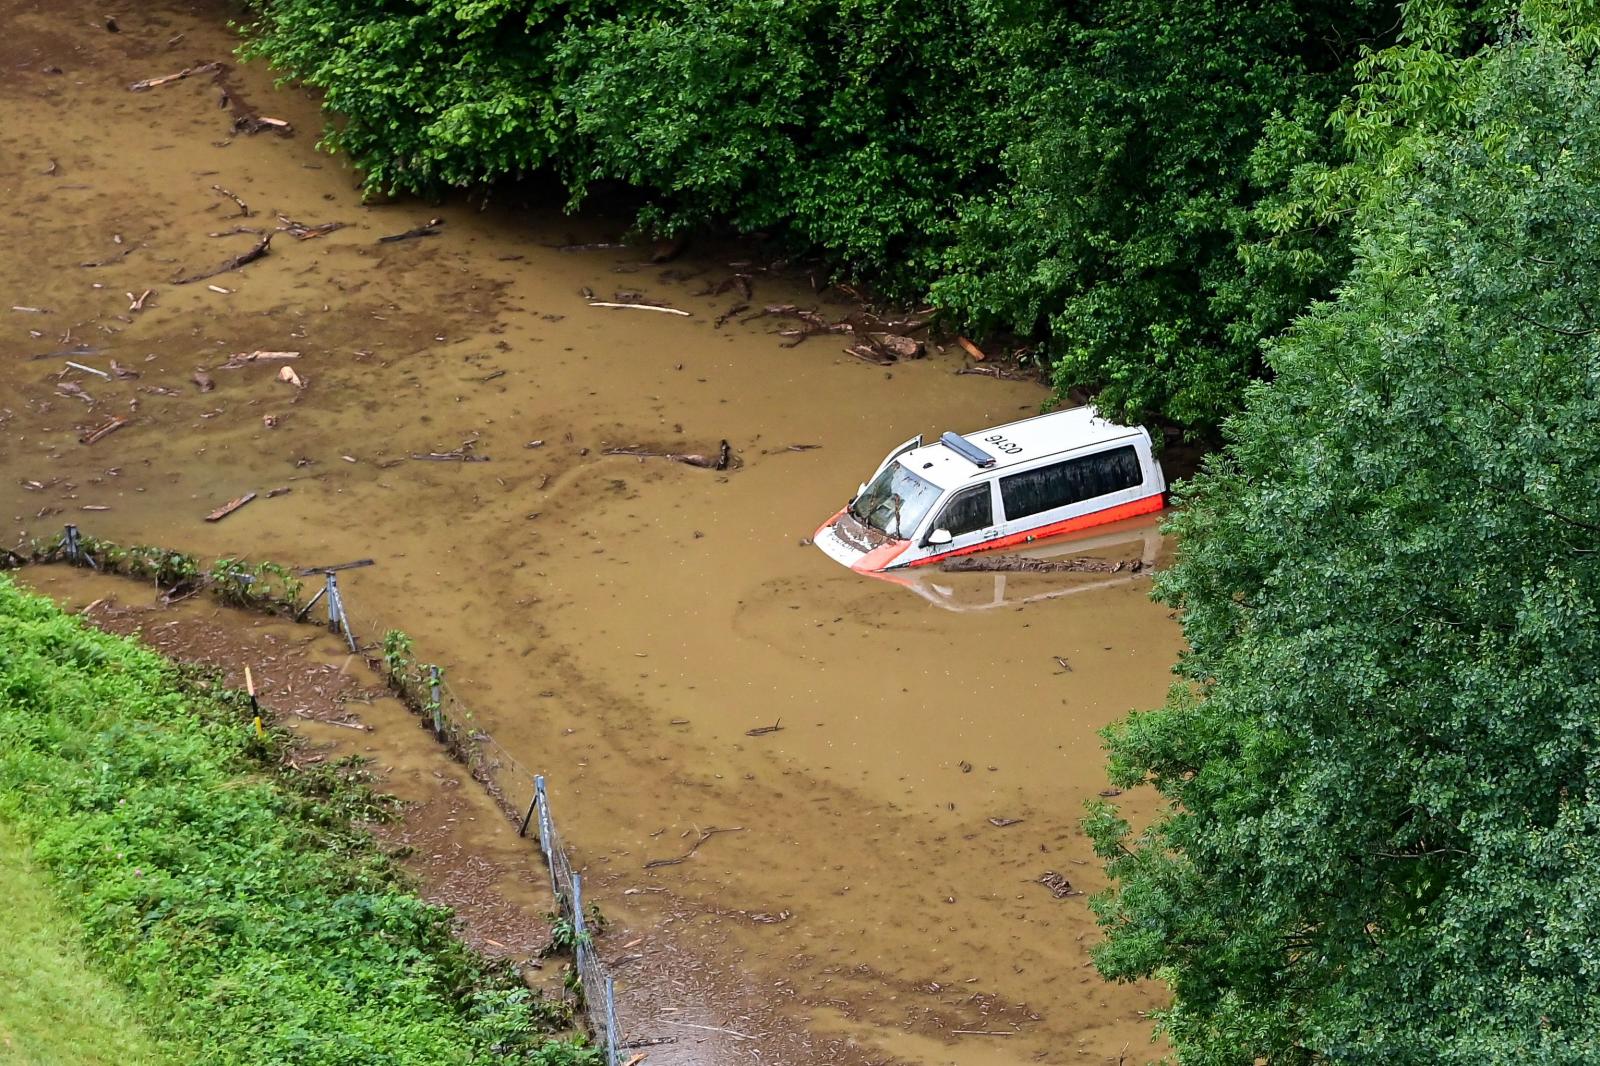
[(430, 94), (1116, 238), (1383, 838), (1084, 176)]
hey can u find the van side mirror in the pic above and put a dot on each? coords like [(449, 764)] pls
[(939, 536)]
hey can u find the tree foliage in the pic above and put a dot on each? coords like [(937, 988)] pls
[(1383, 843)]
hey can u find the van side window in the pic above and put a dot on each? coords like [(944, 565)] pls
[(1049, 487), (967, 512)]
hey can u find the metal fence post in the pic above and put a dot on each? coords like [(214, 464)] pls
[(75, 550), (438, 705), (612, 1035), (577, 921), (336, 608)]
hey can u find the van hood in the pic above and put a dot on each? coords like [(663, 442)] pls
[(848, 541)]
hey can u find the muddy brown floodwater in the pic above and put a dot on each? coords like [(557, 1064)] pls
[(618, 623)]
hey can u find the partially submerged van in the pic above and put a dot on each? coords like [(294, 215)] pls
[(995, 488)]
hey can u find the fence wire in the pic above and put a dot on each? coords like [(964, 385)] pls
[(519, 789), (520, 793)]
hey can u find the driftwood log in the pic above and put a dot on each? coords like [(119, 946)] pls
[(720, 461), (429, 228), (242, 259), (1027, 565)]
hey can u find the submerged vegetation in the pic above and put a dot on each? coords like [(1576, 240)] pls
[(241, 905)]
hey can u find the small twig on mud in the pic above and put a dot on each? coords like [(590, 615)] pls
[(979, 1032), (705, 835), (761, 731)]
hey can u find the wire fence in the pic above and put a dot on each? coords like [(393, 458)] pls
[(519, 791)]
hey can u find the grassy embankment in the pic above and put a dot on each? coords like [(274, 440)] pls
[(240, 908), (56, 1009)]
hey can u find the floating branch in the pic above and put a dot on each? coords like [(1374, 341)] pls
[(242, 259)]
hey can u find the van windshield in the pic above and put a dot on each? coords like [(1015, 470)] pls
[(896, 502)]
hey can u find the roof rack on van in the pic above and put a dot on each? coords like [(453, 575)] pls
[(966, 449)]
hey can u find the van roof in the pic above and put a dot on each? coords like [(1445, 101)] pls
[(1033, 438)]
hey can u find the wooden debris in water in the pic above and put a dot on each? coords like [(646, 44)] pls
[(136, 303), (167, 79), (231, 506), (302, 232), (203, 380), (115, 423), (639, 307), (705, 835), (456, 456), (244, 208), (1001, 823), (239, 359), (1058, 885), (76, 391), (999, 373), (87, 369), (244, 258), (761, 731), (429, 228), (720, 461), (972, 349)]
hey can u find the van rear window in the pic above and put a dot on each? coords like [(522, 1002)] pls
[(1034, 491)]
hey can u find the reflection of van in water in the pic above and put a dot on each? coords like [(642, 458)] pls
[(995, 488)]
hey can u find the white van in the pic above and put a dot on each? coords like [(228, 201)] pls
[(995, 489)]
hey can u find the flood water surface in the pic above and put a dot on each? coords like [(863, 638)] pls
[(618, 623)]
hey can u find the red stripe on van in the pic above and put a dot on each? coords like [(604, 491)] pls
[(880, 557), (1097, 518)]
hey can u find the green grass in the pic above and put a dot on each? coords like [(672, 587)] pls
[(243, 907), (56, 1008)]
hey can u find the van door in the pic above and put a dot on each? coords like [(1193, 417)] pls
[(968, 516)]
